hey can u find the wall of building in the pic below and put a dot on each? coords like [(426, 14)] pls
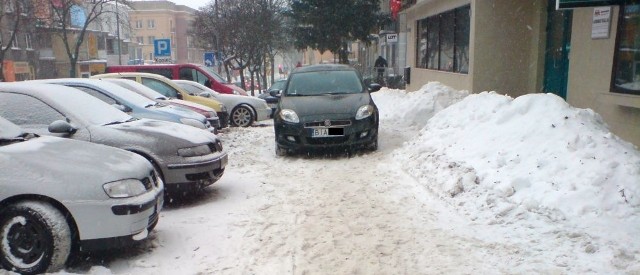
[(420, 77), (594, 58), (507, 43)]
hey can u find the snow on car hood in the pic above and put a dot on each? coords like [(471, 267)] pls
[(159, 135), (325, 104), (67, 162), (174, 101)]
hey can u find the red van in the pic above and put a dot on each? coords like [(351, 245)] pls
[(198, 73)]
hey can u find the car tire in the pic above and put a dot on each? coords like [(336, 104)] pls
[(242, 116), (34, 238), (373, 146), (281, 152)]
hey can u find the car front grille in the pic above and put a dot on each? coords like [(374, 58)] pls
[(328, 123)]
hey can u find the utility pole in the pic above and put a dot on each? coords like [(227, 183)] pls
[(118, 34)]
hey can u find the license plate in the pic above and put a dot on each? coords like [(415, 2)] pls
[(320, 132)]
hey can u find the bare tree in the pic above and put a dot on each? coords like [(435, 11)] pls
[(246, 32), (14, 16), (72, 18)]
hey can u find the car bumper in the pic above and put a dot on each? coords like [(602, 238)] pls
[(121, 219), (298, 137), (224, 119), (196, 173), (263, 114)]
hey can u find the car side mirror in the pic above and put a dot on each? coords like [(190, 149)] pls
[(179, 96), (276, 93), (374, 87), (61, 127), (122, 107)]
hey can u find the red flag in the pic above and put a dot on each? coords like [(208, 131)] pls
[(395, 6)]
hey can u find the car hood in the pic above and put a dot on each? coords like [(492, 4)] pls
[(151, 135), (178, 102), (47, 160), (181, 112), (343, 104)]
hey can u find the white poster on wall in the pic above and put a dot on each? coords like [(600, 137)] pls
[(601, 24)]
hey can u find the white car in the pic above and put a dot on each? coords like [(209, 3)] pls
[(58, 196), (244, 110)]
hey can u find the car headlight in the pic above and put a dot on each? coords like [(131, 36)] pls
[(124, 188), (289, 116), (223, 108), (193, 122), (195, 151), (364, 112)]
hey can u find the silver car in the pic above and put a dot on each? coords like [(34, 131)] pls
[(132, 103), (149, 93), (59, 195), (185, 157)]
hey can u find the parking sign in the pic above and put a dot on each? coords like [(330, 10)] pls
[(162, 48)]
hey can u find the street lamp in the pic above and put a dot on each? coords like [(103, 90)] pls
[(118, 34)]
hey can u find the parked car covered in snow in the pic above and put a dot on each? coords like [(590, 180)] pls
[(170, 89), (244, 110), (185, 157), (149, 93), (59, 195), (134, 104)]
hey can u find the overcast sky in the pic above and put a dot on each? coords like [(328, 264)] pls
[(192, 3)]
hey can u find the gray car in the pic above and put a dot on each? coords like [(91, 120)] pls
[(132, 103), (185, 157), (59, 195)]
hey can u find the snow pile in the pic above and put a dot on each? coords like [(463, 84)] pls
[(534, 153), (414, 109)]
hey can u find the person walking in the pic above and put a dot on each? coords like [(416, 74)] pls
[(380, 65)]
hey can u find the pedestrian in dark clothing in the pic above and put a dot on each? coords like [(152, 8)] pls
[(380, 65)]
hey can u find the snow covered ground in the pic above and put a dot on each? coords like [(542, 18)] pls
[(479, 183)]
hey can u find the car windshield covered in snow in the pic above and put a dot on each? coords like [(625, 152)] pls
[(9, 131), (324, 82)]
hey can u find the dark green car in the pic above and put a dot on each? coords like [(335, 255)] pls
[(323, 107)]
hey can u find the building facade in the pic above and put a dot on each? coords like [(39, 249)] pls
[(151, 20), (587, 53)]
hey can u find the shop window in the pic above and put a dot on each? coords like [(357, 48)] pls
[(626, 72), (443, 41)]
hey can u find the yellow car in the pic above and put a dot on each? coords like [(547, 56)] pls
[(169, 89)]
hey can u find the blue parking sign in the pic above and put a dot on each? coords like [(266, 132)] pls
[(209, 59), (162, 48)]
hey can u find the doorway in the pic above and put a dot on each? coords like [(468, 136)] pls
[(556, 68)]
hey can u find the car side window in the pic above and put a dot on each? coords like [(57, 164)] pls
[(188, 74), (160, 87), (97, 94), (25, 110), (202, 78), (163, 72)]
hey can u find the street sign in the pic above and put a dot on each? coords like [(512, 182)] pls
[(162, 48), (209, 59), (392, 37), (569, 4)]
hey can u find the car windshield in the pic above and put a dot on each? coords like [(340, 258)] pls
[(215, 75), (324, 82), (137, 88), (91, 109), (278, 85)]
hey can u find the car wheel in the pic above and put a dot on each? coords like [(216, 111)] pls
[(242, 116), (373, 146), (34, 238), (281, 152)]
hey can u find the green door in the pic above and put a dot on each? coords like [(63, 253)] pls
[(556, 68)]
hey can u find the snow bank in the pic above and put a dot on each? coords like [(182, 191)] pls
[(534, 153), (414, 109)]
